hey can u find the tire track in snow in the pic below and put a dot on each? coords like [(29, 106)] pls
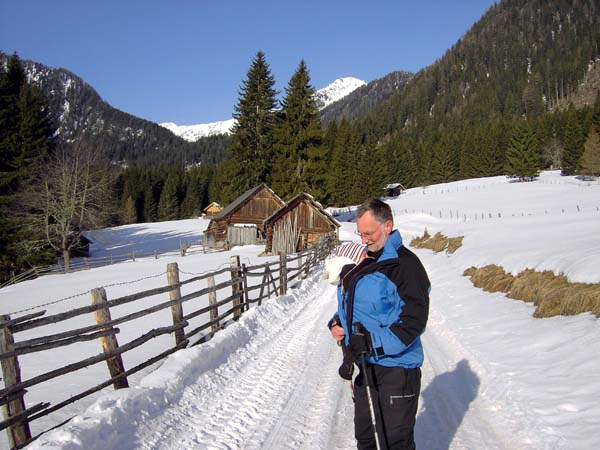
[(276, 393), (464, 403)]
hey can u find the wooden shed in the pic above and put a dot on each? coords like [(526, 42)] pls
[(212, 210), (393, 190), (297, 225), (241, 222)]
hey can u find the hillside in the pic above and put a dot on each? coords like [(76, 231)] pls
[(366, 98), (495, 378), (523, 57), (79, 113)]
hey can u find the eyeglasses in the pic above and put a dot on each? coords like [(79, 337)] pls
[(369, 234)]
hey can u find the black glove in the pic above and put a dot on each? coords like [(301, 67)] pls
[(360, 342), (347, 368)]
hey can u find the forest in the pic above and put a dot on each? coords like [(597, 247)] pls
[(515, 95)]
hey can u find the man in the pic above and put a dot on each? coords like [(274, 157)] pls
[(383, 304)]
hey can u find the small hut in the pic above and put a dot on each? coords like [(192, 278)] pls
[(241, 222), (211, 210), (393, 190), (297, 225)]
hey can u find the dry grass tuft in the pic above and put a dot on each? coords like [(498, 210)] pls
[(490, 278), (437, 243), (552, 294)]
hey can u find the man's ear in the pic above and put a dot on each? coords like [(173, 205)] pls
[(388, 226)]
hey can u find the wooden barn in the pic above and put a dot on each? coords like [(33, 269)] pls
[(298, 225), (211, 210), (393, 190), (241, 222)]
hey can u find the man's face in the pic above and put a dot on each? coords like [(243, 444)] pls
[(373, 233)]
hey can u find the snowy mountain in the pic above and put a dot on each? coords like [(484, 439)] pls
[(337, 90), (194, 132), (324, 97)]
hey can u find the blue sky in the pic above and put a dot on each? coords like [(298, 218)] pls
[(184, 61)]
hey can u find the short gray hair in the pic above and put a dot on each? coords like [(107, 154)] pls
[(381, 210)]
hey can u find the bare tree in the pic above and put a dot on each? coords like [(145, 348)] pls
[(70, 196)]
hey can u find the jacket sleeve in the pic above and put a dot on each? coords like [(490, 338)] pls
[(413, 290)]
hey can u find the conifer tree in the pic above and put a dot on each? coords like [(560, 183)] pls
[(251, 149), (168, 205), (25, 143), (344, 175), (573, 143), (442, 168), (129, 212), (590, 160), (150, 208), (300, 155), (522, 156)]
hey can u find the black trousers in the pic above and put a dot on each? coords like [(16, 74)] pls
[(395, 396)]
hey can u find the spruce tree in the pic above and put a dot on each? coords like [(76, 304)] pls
[(150, 208), (590, 160), (168, 205), (25, 143), (442, 168), (251, 149), (129, 214), (300, 155), (522, 156), (572, 144)]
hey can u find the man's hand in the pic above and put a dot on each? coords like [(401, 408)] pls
[(338, 332), (360, 341)]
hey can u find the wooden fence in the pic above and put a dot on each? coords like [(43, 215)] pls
[(271, 278)]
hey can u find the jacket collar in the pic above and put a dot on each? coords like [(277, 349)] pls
[(390, 249)]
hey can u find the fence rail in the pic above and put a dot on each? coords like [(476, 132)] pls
[(276, 277)]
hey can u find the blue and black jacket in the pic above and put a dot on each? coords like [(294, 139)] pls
[(389, 296)]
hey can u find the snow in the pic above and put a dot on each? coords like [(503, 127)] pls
[(494, 377), (192, 133), (325, 96), (337, 90)]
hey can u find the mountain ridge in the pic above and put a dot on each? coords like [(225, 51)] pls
[(330, 94)]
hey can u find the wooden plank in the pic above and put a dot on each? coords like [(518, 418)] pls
[(128, 317), (235, 287), (14, 419), (212, 300), (18, 431), (88, 309), (22, 350), (175, 297), (282, 274), (10, 323), (106, 383), (88, 361), (109, 342)]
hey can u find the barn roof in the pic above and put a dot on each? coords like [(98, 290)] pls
[(293, 203), (213, 204), (241, 201), (393, 186)]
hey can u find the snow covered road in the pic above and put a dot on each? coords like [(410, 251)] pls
[(270, 382), (281, 391)]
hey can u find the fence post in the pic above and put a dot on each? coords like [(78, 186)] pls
[(175, 296), (309, 256), (300, 273), (109, 343), (212, 300), (245, 288), (235, 287), (282, 273), (19, 432)]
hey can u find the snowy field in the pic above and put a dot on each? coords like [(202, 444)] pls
[(493, 378)]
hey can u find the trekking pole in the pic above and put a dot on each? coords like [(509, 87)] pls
[(359, 331)]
